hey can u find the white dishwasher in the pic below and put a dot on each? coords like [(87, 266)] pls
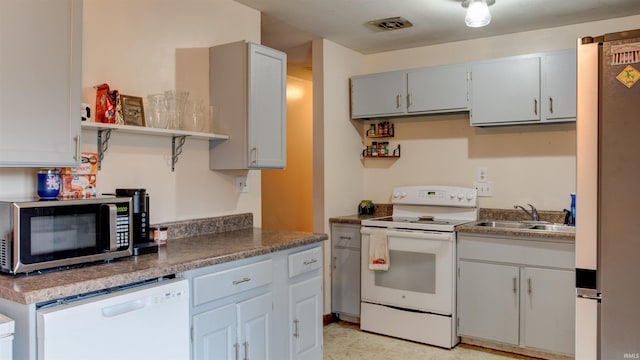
[(145, 321)]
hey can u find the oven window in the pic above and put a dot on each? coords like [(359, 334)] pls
[(410, 271), (51, 234)]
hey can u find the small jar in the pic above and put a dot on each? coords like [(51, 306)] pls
[(160, 235)]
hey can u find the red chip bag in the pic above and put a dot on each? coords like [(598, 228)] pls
[(105, 104)]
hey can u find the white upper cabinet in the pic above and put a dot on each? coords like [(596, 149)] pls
[(529, 89), (248, 96), (505, 91), (40, 82), (378, 95), (559, 86), (437, 89)]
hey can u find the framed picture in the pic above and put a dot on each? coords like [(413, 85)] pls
[(132, 110)]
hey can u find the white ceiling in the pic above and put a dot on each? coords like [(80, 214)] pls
[(290, 25)]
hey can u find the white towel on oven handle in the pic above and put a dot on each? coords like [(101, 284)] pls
[(378, 250)]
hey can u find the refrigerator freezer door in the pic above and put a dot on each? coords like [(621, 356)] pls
[(618, 197)]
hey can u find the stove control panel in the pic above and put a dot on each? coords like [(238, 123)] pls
[(435, 195)]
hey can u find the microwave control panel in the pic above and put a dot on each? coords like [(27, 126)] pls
[(123, 226)]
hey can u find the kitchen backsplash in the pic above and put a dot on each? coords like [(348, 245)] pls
[(212, 225)]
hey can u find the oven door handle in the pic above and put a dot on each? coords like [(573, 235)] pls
[(423, 235)]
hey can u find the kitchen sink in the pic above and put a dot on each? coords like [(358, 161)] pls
[(555, 227), (505, 224), (528, 225)]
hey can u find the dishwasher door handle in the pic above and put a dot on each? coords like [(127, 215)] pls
[(123, 308)]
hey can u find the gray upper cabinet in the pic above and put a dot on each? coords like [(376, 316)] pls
[(559, 86), (437, 89), (530, 89), (248, 89), (505, 91), (378, 95), (40, 83)]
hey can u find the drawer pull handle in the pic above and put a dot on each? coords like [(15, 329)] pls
[(345, 237), (296, 331), (529, 289), (237, 346), (515, 285), (535, 106), (309, 262), (236, 282), (550, 104), (246, 350)]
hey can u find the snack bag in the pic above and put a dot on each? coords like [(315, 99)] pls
[(105, 104)]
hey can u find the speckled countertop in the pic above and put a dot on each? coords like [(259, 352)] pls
[(180, 254), (379, 210)]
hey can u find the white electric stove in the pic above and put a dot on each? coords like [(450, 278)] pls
[(415, 298)]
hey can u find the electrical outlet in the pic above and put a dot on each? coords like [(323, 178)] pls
[(483, 174), (485, 188), (241, 184)]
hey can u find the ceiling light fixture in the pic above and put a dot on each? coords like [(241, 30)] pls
[(478, 14)]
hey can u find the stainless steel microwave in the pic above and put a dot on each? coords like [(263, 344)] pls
[(36, 235)]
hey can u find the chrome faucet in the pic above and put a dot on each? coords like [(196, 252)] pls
[(534, 212)]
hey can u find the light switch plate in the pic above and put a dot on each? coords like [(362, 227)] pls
[(241, 184)]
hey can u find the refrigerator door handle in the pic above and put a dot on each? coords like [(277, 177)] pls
[(589, 294)]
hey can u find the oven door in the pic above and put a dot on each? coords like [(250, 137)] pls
[(420, 275)]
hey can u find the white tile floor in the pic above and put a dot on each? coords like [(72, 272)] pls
[(345, 341)]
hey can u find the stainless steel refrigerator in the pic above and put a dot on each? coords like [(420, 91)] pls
[(608, 197)]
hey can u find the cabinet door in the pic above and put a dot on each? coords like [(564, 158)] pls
[(254, 327), (505, 91), (267, 107), (488, 301), (40, 72), (549, 309), (345, 275), (559, 86), (305, 319), (438, 89), (378, 95), (214, 334)]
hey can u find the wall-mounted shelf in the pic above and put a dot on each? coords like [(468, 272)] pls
[(178, 137), (395, 154)]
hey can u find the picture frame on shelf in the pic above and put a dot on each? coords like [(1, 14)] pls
[(132, 110)]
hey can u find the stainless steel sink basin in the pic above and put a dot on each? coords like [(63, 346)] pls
[(528, 225), (504, 224), (555, 227)]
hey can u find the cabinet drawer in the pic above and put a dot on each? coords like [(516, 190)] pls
[(228, 282), (305, 261), (517, 251), (345, 236)]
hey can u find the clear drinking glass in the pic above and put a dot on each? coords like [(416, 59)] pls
[(157, 111), (194, 115)]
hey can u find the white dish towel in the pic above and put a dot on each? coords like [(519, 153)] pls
[(378, 250)]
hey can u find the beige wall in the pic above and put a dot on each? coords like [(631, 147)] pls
[(131, 46), (287, 194)]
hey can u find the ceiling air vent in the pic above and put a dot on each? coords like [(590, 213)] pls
[(388, 24)]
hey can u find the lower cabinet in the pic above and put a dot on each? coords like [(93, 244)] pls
[(235, 331), (267, 307), (517, 291), (345, 271), (305, 317), (488, 301)]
